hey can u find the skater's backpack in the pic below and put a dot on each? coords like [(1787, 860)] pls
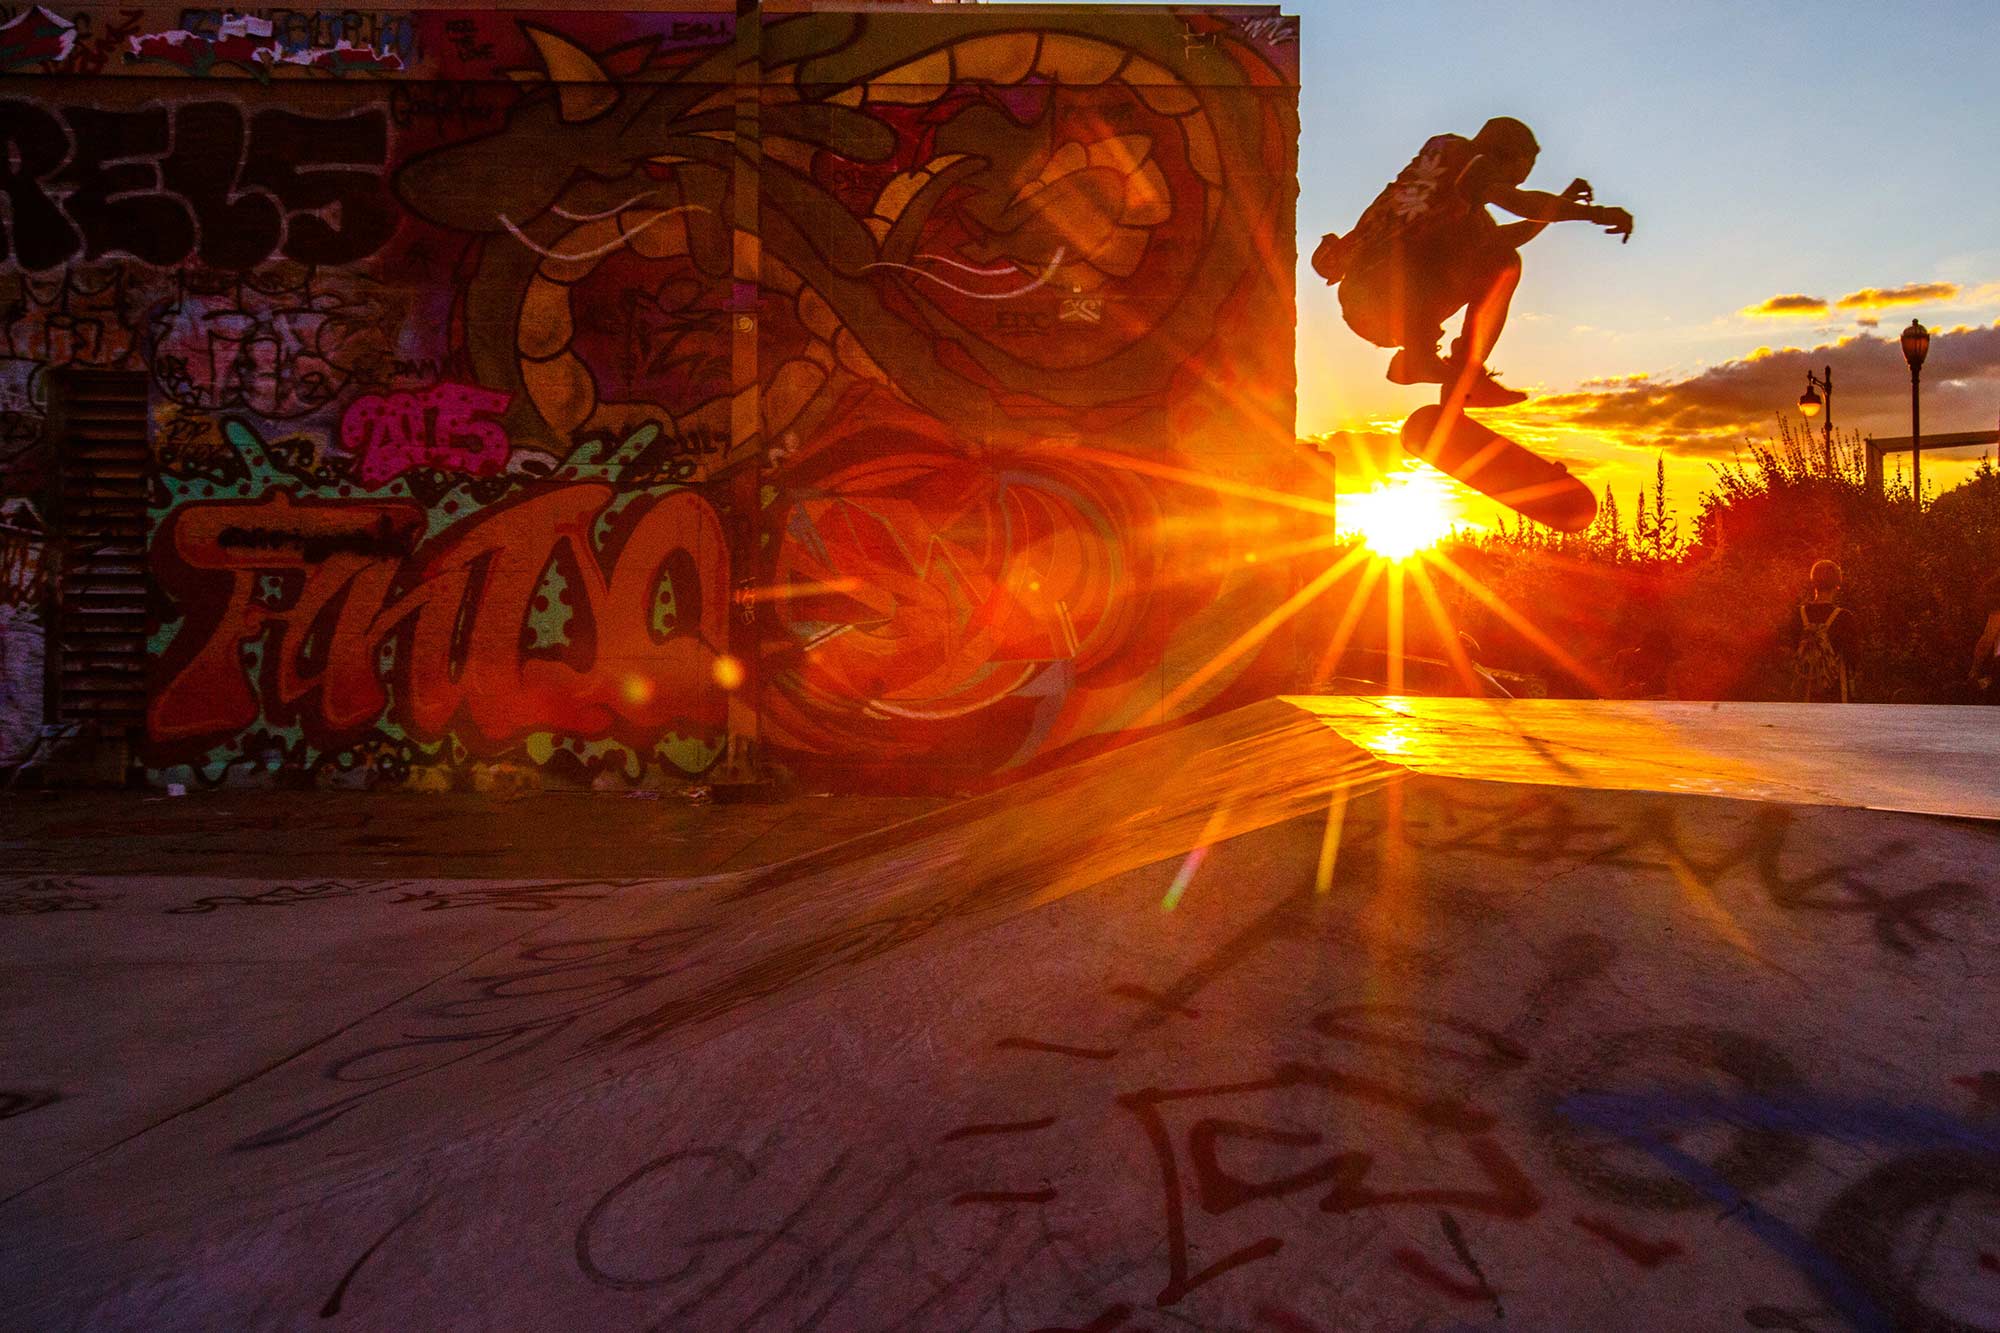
[(1330, 257)]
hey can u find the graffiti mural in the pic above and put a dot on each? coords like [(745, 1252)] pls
[(24, 579), (23, 414), (565, 613), (279, 341), (885, 327), (972, 607)]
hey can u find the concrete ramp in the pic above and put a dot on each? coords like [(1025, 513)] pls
[(1245, 1027)]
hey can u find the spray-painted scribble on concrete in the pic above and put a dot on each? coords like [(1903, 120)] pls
[(1478, 1061)]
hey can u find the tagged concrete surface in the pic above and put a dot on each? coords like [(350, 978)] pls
[(1236, 1029)]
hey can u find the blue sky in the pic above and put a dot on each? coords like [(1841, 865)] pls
[(1764, 149)]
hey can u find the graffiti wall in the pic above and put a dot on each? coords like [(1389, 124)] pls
[(605, 392), (24, 570)]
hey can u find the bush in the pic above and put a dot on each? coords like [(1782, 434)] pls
[(1724, 605)]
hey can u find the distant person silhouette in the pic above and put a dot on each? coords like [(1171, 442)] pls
[(1427, 247), (1642, 670), (1822, 663), (1985, 671)]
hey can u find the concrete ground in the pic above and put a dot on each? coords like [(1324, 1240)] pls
[(1270, 1024)]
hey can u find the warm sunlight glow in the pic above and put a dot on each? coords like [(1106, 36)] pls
[(1406, 513)]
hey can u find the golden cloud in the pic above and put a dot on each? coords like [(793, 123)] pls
[(1910, 293), (1781, 307), (1712, 413)]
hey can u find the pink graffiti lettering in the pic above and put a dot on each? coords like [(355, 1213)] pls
[(389, 434)]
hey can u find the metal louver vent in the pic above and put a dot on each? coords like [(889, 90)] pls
[(99, 644)]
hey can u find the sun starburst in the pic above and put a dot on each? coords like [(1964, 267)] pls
[(1406, 512)]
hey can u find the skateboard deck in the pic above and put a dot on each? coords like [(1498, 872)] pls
[(1489, 462)]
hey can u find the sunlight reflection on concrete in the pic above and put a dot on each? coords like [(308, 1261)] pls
[(1930, 760)]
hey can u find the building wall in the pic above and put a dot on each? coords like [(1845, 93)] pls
[(602, 393), (23, 609)]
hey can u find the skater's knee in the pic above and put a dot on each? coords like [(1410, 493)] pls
[(1501, 276)]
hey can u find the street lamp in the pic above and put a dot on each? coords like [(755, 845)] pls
[(1916, 346), (1810, 404)]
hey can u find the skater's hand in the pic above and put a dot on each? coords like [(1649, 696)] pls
[(1579, 192), (1616, 222)]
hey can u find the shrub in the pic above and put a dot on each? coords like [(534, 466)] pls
[(1726, 600)]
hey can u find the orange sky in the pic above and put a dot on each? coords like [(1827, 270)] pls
[(1611, 430)]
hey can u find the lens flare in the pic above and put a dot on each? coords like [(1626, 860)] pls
[(1406, 513)]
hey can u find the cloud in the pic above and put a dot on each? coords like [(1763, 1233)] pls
[(1869, 322), (1798, 305), (1910, 293), (1712, 413), (1783, 307)]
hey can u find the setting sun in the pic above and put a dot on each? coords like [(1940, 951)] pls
[(1404, 514)]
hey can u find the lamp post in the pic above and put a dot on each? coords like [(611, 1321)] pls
[(1916, 346), (1810, 404)]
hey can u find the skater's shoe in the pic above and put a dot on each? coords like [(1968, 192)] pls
[(1486, 391), (1418, 365)]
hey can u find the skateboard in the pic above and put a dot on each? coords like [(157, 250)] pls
[(1488, 461)]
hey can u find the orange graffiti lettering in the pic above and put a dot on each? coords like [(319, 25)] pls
[(359, 618)]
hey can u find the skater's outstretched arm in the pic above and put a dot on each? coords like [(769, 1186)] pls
[(1539, 206)]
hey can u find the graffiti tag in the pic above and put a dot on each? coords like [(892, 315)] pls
[(198, 180), (441, 427)]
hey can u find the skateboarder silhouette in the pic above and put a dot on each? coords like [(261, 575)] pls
[(1427, 248)]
